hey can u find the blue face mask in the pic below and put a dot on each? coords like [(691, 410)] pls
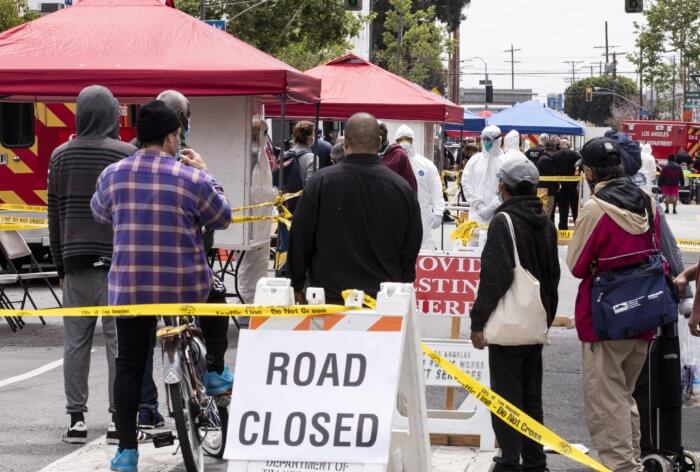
[(488, 144), (188, 128)]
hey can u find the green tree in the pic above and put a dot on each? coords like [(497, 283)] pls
[(414, 43), (303, 33), (14, 13), (598, 111), (672, 26)]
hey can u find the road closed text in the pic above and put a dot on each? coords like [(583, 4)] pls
[(320, 429)]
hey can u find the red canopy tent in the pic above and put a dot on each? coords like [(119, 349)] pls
[(138, 48), (350, 84)]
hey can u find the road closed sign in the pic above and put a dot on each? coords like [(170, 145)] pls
[(313, 399), (446, 284)]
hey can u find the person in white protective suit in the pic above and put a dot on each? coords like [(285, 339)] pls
[(511, 145), (254, 264), (480, 177), (648, 167), (432, 204)]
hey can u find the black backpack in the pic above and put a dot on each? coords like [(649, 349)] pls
[(292, 181)]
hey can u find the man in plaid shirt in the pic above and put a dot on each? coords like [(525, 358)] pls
[(157, 207)]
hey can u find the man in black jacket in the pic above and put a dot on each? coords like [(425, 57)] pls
[(516, 371), (357, 224), (565, 162), (547, 168)]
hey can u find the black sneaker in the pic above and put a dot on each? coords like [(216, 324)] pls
[(148, 419), (112, 437), (76, 433)]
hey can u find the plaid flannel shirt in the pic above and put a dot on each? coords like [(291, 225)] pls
[(157, 207)]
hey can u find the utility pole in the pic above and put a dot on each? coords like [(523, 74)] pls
[(454, 79), (512, 61), (591, 71), (573, 69), (614, 84), (202, 10), (607, 48)]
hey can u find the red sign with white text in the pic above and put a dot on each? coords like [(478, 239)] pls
[(446, 285)]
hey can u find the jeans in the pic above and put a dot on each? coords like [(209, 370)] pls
[(516, 375)]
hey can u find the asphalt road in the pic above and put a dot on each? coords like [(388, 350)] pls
[(32, 414)]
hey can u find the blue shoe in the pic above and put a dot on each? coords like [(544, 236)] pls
[(218, 384), (126, 460)]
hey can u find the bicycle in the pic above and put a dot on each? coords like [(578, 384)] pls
[(200, 420)]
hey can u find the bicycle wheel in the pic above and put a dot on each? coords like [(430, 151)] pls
[(214, 435), (182, 399)]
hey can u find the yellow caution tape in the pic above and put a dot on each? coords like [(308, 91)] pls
[(565, 235), (19, 227), (279, 200), (561, 178), (24, 208), (688, 245), (502, 408), (23, 220), (177, 309), (368, 301), (464, 231), (513, 416)]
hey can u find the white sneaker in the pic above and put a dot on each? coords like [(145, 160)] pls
[(112, 437), (76, 433)]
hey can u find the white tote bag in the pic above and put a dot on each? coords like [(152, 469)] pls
[(519, 318)]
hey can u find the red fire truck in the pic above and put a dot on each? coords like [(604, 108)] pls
[(29, 132), (665, 137)]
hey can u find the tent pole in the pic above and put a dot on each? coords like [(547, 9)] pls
[(318, 113), (283, 103)]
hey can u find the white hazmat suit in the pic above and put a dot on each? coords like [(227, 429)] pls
[(480, 177), (432, 205), (648, 167), (511, 145)]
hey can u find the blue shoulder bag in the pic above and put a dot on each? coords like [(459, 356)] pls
[(630, 301)]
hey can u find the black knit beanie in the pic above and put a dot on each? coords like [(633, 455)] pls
[(155, 121)]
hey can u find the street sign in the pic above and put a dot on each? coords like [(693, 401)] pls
[(218, 24), (485, 82), (694, 95)]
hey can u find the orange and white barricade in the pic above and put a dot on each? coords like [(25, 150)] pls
[(339, 392)]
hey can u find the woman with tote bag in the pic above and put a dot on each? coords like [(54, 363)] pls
[(515, 305)]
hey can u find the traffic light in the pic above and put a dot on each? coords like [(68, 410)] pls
[(634, 6), (353, 5), (489, 94), (589, 94)]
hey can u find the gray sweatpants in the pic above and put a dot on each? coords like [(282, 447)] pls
[(86, 287)]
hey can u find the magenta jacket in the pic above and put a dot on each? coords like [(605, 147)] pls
[(611, 232)]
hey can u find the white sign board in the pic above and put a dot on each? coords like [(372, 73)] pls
[(313, 396), (464, 355)]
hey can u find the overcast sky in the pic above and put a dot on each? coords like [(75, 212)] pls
[(548, 32)]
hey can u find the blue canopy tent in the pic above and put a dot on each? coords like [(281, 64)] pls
[(532, 117), (472, 122)]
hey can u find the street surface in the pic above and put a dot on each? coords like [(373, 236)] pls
[(32, 400)]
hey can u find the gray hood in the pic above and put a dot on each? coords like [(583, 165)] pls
[(97, 113)]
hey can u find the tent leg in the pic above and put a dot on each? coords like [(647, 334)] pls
[(283, 124), (318, 113)]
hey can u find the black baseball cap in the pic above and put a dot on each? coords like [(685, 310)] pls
[(601, 152)]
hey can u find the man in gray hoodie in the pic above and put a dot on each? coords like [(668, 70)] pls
[(78, 244)]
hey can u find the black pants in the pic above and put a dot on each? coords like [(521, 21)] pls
[(133, 350), (567, 199), (516, 375)]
